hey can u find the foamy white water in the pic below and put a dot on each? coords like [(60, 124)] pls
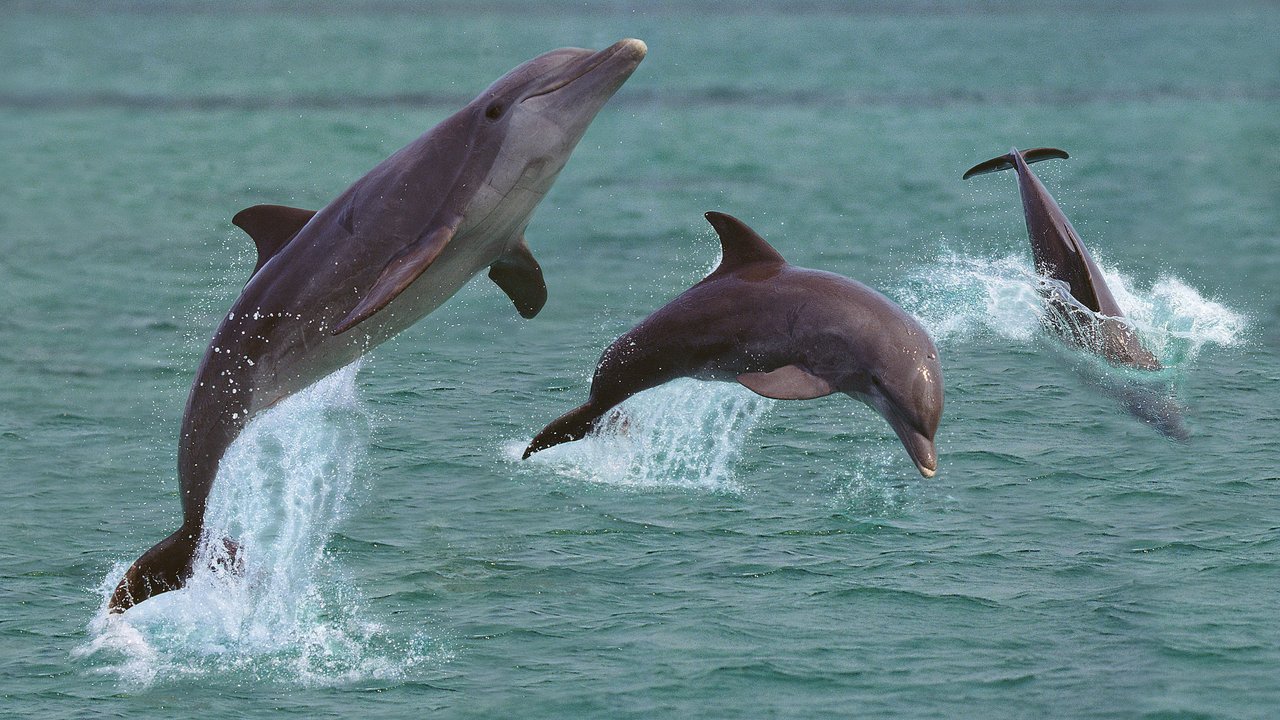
[(283, 612), (686, 433), (963, 296)]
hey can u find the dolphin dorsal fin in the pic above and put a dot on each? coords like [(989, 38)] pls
[(271, 227), (739, 244)]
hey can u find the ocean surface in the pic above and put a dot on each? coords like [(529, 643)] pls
[(718, 554)]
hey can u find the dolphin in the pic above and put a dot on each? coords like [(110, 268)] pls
[(784, 332), (330, 285), (1063, 258)]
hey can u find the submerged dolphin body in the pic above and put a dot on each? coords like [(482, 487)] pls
[(332, 284), (784, 332), (1061, 256)]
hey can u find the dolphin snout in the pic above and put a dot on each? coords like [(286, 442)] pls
[(921, 448), (631, 46), (924, 455)]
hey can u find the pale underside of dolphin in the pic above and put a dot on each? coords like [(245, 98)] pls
[(783, 331), (331, 284)]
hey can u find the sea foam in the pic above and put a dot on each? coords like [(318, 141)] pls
[(963, 296), (282, 610), (686, 433)]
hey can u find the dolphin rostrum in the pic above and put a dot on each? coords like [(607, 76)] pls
[(331, 284), (1060, 255), (784, 332)]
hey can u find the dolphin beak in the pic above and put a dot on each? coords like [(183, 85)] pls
[(624, 52), (635, 47), (922, 450), (619, 60)]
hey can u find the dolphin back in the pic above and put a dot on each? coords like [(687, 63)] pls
[(1005, 162)]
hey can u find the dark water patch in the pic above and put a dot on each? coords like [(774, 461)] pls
[(909, 597), (558, 8), (714, 96)]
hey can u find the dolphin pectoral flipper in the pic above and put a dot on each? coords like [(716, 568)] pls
[(520, 277), (398, 274), (1005, 162), (789, 382), (271, 227)]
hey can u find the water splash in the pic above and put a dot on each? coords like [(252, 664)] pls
[(961, 297), (1174, 320), (686, 434), (284, 614)]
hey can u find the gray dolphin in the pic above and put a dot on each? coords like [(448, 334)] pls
[(330, 285), (785, 332), (1061, 256), (1082, 309)]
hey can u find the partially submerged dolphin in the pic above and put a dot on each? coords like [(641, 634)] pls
[(332, 284), (784, 332), (1061, 256), (1082, 309)]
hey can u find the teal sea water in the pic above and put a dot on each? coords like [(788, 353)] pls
[(717, 554)]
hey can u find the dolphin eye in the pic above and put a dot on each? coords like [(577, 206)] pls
[(875, 380), (494, 112)]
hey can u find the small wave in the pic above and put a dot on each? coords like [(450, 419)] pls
[(285, 614), (684, 434)]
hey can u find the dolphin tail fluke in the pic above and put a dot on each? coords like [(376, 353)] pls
[(165, 567), (1005, 162), (573, 425)]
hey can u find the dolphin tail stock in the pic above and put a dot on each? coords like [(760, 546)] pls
[(167, 566), (164, 567), (1005, 162), (573, 425)]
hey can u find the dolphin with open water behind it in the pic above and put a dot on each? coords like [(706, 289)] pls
[(1081, 307), (329, 285), (1060, 255), (784, 332)]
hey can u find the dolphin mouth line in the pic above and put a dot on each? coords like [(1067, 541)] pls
[(909, 430), (596, 61)]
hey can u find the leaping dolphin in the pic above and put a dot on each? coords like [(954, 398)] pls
[(783, 331), (330, 285), (1061, 255)]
